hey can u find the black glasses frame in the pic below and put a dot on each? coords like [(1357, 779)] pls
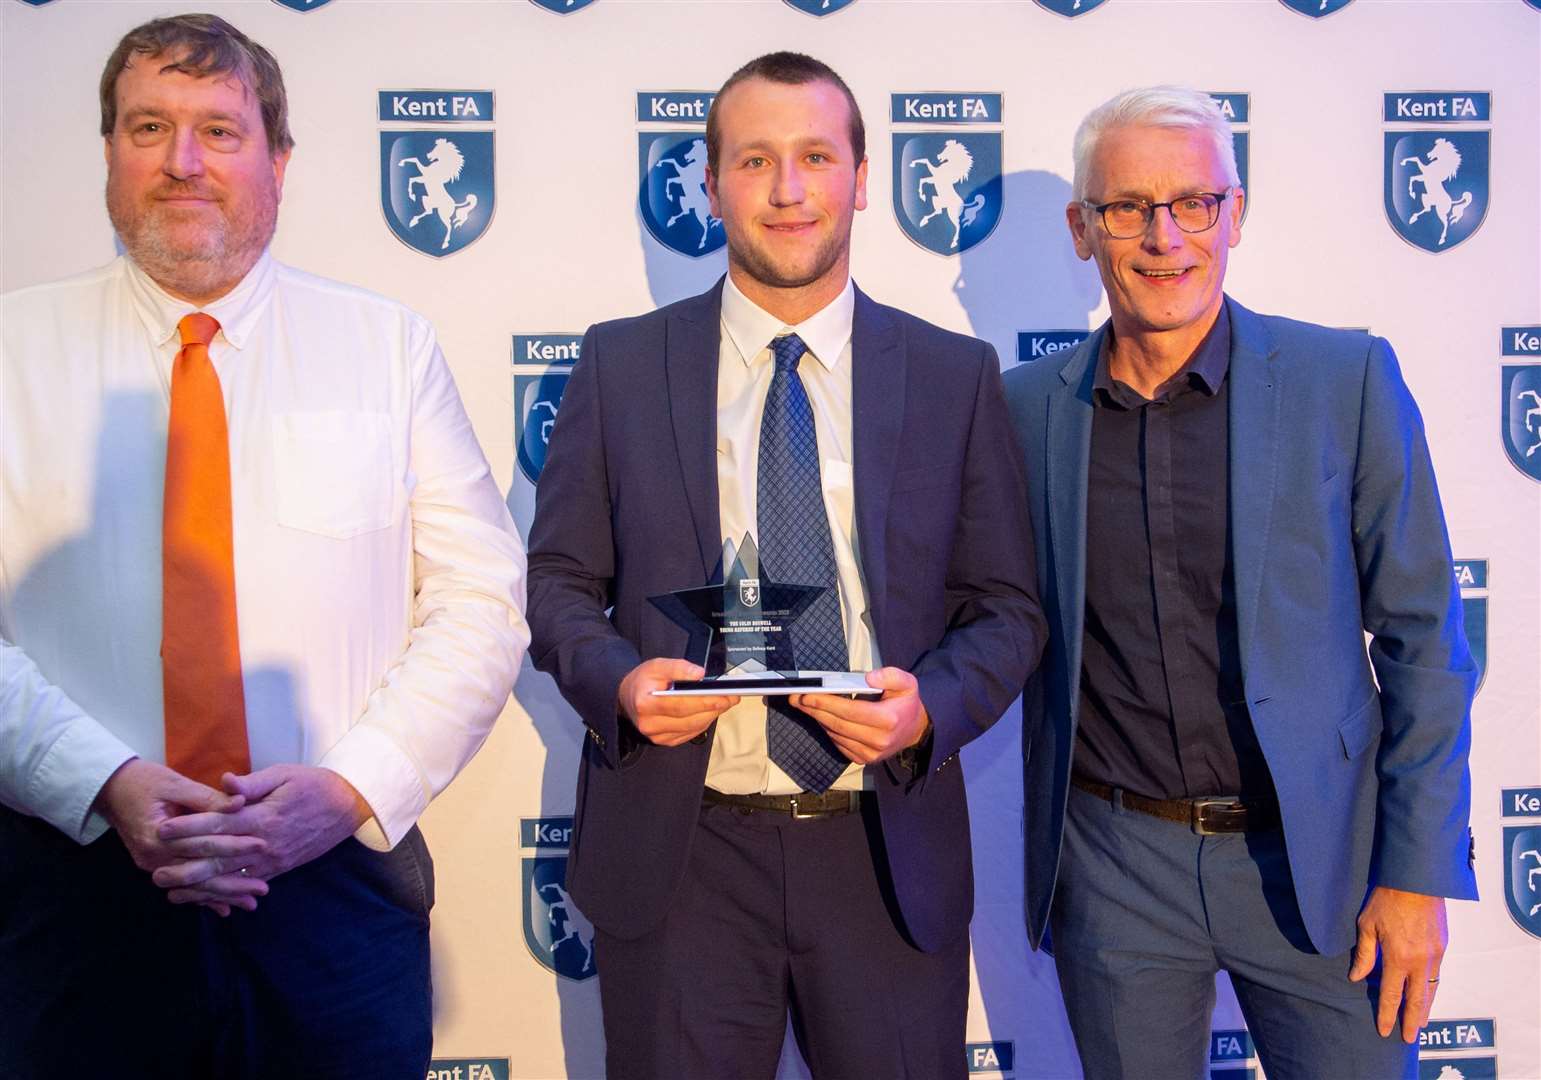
[(1151, 208)]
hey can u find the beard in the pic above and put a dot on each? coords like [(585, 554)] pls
[(197, 254), (758, 264)]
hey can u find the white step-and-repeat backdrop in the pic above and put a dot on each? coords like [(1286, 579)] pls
[(1391, 151)]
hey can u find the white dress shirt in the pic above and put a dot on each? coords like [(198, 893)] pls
[(740, 763), (379, 578)]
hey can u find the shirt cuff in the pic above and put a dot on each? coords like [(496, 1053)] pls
[(382, 773), (72, 773)]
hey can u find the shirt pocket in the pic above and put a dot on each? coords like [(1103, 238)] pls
[(332, 472)]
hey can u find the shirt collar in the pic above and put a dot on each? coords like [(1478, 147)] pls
[(237, 311), (751, 327), (1205, 370)]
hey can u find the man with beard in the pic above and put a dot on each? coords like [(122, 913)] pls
[(261, 602), (739, 859)]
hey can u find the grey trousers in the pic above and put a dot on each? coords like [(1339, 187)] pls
[(1146, 912)]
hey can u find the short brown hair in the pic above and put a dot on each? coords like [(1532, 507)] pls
[(789, 69), (203, 45)]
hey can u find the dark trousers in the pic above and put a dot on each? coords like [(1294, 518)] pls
[(101, 976), (775, 915), (1146, 912)]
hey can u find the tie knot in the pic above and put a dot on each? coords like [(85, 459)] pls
[(198, 329), (788, 350)]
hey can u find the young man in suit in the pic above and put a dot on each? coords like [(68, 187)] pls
[(738, 859), (1224, 504)]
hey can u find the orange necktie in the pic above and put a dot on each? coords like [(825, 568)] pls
[(200, 647)]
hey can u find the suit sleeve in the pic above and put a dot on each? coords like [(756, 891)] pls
[(572, 562), (1412, 611), (996, 629)]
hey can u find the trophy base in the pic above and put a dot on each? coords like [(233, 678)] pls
[(761, 684)]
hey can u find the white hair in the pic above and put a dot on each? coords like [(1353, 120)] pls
[(1153, 106)]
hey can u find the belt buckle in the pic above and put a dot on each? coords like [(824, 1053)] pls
[(798, 814), (1203, 822)]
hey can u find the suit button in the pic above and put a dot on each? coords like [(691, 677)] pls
[(698, 740)]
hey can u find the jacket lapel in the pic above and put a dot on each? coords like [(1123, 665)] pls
[(878, 373), (691, 347), (1067, 454), (1254, 437)]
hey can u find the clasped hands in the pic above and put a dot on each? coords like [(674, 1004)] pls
[(865, 731), (220, 848)]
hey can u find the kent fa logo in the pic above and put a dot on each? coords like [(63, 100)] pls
[(563, 7), (1070, 8), (541, 366), (1522, 858), (1237, 108), (947, 188), (555, 930), (292, 5), (1436, 179), (1316, 8), (1471, 579), (1037, 344), (820, 7), (672, 165), (436, 187), (1521, 415), (468, 1069)]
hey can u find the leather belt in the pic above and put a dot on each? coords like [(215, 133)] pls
[(805, 804), (1204, 816)]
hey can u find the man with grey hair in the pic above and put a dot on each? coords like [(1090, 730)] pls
[(260, 601), (1219, 775)]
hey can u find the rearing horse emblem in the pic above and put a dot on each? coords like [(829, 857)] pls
[(445, 162), (1436, 185), (947, 188), (672, 197), (1522, 417), (437, 191), (1444, 162)]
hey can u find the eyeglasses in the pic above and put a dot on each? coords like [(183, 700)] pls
[(1124, 219)]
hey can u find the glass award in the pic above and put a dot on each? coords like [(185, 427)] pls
[(740, 626)]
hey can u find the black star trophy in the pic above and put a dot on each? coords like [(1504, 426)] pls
[(740, 631)]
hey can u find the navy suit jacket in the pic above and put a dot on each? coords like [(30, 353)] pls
[(1336, 530), (627, 508)]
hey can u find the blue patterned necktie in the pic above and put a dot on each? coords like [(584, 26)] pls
[(795, 547)]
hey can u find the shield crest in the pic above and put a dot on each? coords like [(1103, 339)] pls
[(40, 3), (562, 7), (820, 7), (1522, 417), (1436, 185), (1474, 616), (672, 195), (749, 592), (539, 398), (947, 187), (1316, 8), (555, 931), (436, 188), (299, 5), (1241, 141), (1070, 8), (1522, 876)]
